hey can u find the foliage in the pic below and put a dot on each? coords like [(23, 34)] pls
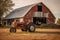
[(58, 21), (5, 6)]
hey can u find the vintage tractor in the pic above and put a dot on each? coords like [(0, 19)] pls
[(29, 26)]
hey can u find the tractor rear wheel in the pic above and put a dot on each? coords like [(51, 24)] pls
[(12, 29)]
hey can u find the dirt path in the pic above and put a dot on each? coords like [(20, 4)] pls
[(40, 34)]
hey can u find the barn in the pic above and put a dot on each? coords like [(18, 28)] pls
[(27, 13)]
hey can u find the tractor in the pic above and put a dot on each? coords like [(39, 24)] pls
[(29, 26)]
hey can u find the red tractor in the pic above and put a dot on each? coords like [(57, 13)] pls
[(30, 26)]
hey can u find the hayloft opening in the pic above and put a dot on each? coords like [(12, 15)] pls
[(40, 8)]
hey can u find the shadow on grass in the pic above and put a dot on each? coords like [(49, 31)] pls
[(47, 32)]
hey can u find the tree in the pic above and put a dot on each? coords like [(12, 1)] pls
[(58, 21), (5, 6)]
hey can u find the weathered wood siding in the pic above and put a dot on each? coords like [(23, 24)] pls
[(29, 14)]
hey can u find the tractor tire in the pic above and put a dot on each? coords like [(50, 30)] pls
[(31, 28), (12, 29)]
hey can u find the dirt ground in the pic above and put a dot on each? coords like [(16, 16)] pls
[(39, 34)]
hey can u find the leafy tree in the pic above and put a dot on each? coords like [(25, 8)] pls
[(58, 21), (5, 6)]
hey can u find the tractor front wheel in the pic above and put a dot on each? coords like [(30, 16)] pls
[(12, 29)]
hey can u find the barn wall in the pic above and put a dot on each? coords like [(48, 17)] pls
[(50, 16), (29, 15)]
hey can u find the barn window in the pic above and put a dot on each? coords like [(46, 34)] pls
[(40, 8), (38, 14), (46, 15), (21, 20), (4, 23)]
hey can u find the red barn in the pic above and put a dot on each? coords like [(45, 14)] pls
[(27, 13)]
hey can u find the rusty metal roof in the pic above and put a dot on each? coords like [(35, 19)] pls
[(20, 12)]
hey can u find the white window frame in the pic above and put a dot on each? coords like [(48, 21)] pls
[(46, 15), (38, 14)]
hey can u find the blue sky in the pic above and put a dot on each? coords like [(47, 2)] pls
[(53, 5)]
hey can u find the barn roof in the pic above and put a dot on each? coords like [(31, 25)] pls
[(21, 12)]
